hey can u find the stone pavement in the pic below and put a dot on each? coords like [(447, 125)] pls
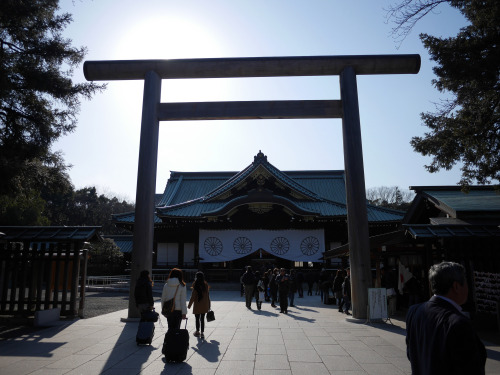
[(312, 339)]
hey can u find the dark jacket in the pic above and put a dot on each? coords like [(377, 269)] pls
[(143, 292), (248, 278), (283, 284), (337, 283), (441, 340), (346, 286)]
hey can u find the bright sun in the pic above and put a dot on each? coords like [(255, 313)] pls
[(166, 38)]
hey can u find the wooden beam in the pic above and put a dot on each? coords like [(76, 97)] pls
[(292, 109), (251, 67)]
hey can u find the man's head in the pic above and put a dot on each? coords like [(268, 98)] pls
[(448, 279)]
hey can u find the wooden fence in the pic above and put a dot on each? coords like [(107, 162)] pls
[(40, 277)]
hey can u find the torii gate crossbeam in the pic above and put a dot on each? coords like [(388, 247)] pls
[(347, 67)]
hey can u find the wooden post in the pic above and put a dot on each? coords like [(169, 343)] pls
[(142, 253), (357, 219)]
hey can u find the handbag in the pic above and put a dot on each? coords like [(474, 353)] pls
[(210, 316), (149, 316), (169, 305)]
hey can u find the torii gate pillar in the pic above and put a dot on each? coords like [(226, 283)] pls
[(357, 217)]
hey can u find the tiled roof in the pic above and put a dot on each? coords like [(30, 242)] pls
[(474, 200), (322, 193), (440, 231), (124, 242), (49, 234), (129, 217), (481, 204)]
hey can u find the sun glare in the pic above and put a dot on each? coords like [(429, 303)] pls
[(167, 38)]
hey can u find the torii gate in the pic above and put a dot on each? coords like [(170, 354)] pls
[(347, 67)]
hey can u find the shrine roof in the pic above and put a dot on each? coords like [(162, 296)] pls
[(50, 234), (478, 202), (319, 193)]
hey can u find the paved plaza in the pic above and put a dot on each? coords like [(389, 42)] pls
[(311, 339)]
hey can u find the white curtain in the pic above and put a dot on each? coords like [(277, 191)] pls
[(295, 245)]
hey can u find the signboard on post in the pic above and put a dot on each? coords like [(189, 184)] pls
[(377, 304)]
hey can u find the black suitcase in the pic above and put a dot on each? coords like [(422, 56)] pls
[(145, 333), (176, 344)]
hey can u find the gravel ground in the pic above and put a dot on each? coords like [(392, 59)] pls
[(100, 303), (96, 303)]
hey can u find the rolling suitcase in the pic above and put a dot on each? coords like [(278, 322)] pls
[(176, 344), (145, 333), (146, 329)]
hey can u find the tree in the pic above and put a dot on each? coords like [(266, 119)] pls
[(86, 207), (390, 197), (38, 100), (37, 191), (466, 128)]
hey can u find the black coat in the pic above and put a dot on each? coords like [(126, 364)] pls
[(441, 340), (337, 283), (143, 292)]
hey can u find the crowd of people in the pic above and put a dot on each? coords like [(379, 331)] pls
[(440, 338), (276, 285)]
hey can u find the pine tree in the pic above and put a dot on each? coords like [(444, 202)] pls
[(38, 100), (466, 128)]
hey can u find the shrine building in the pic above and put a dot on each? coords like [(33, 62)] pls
[(223, 221)]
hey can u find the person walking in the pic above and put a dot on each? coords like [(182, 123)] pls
[(259, 290), (273, 287), (283, 288), (346, 293), (440, 339), (248, 280), (175, 288), (143, 292), (293, 287), (337, 287), (300, 283), (323, 282), (200, 300), (310, 282)]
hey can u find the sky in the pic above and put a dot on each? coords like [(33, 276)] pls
[(103, 150)]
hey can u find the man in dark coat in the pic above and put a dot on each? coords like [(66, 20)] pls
[(249, 281), (439, 338), (284, 288)]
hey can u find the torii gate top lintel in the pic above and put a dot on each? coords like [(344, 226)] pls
[(251, 67)]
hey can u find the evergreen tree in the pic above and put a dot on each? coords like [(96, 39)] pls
[(38, 100), (465, 129)]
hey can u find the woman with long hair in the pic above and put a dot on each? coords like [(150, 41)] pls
[(200, 300), (175, 288)]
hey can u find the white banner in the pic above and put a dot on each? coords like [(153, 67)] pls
[(295, 245)]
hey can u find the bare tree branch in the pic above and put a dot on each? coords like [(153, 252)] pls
[(406, 14)]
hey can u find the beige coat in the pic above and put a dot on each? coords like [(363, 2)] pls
[(202, 306)]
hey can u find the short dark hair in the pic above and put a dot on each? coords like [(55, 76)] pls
[(443, 275)]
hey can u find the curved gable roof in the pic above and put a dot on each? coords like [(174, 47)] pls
[(259, 167)]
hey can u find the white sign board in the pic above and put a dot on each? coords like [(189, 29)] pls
[(377, 303)]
